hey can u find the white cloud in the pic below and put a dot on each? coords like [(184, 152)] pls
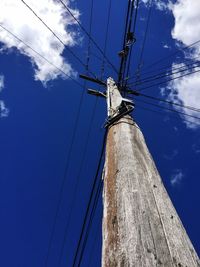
[(4, 111), (17, 18), (177, 177), (159, 4), (1, 82), (186, 31)]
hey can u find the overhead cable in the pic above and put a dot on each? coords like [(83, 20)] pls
[(89, 206), (167, 68), (106, 39), (89, 36), (58, 38), (136, 93), (168, 109), (172, 54), (164, 75), (41, 56), (170, 116), (77, 181), (169, 80), (145, 35)]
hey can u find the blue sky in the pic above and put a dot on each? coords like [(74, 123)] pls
[(38, 110)]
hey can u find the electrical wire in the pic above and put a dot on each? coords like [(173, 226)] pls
[(145, 35), (90, 30), (89, 36), (90, 201), (106, 39), (124, 41), (172, 54), (168, 109), (58, 38), (164, 101), (41, 56), (94, 242), (77, 179), (134, 29), (164, 75), (163, 113), (129, 31), (167, 71), (168, 67), (92, 214), (63, 182), (84, 149), (164, 82)]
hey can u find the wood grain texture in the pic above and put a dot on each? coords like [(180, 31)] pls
[(140, 225)]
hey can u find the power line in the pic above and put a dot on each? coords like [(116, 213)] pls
[(168, 67), (58, 38), (164, 101), (175, 78), (145, 35), (40, 55), (89, 36), (90, 30), (124, 57), (94, 242), (64, 178), (85, 146), (134, 29), (77, 181), (106, 39), (163, 75), (163, 113), (92, 214), (172, 54), (90, 200), (171, 110)]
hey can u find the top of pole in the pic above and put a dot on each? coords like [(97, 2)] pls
[(114, 98)]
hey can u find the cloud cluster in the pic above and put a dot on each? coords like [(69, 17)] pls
[(19, 20), (4, 111), (186, 31)]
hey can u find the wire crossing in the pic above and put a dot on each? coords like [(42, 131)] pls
[(41, 56), (58, 38), (89, 36)]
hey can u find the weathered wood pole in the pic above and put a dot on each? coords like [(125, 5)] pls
[(140, 225)]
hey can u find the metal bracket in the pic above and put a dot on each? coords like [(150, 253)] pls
[(96, 93), (126, 107)]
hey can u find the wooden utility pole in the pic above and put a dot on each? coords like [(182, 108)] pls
[(140, 225)]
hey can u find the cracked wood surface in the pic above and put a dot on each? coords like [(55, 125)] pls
[(140, 225)]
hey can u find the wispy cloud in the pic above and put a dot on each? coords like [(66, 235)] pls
[(196, 148), (4, 111), (176, 177), (172, 155), (166, 46), (17, 18), (1, 82), (162, 5)]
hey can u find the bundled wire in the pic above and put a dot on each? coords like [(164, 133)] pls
[(90, 208), (89, 35), (163, 75)]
